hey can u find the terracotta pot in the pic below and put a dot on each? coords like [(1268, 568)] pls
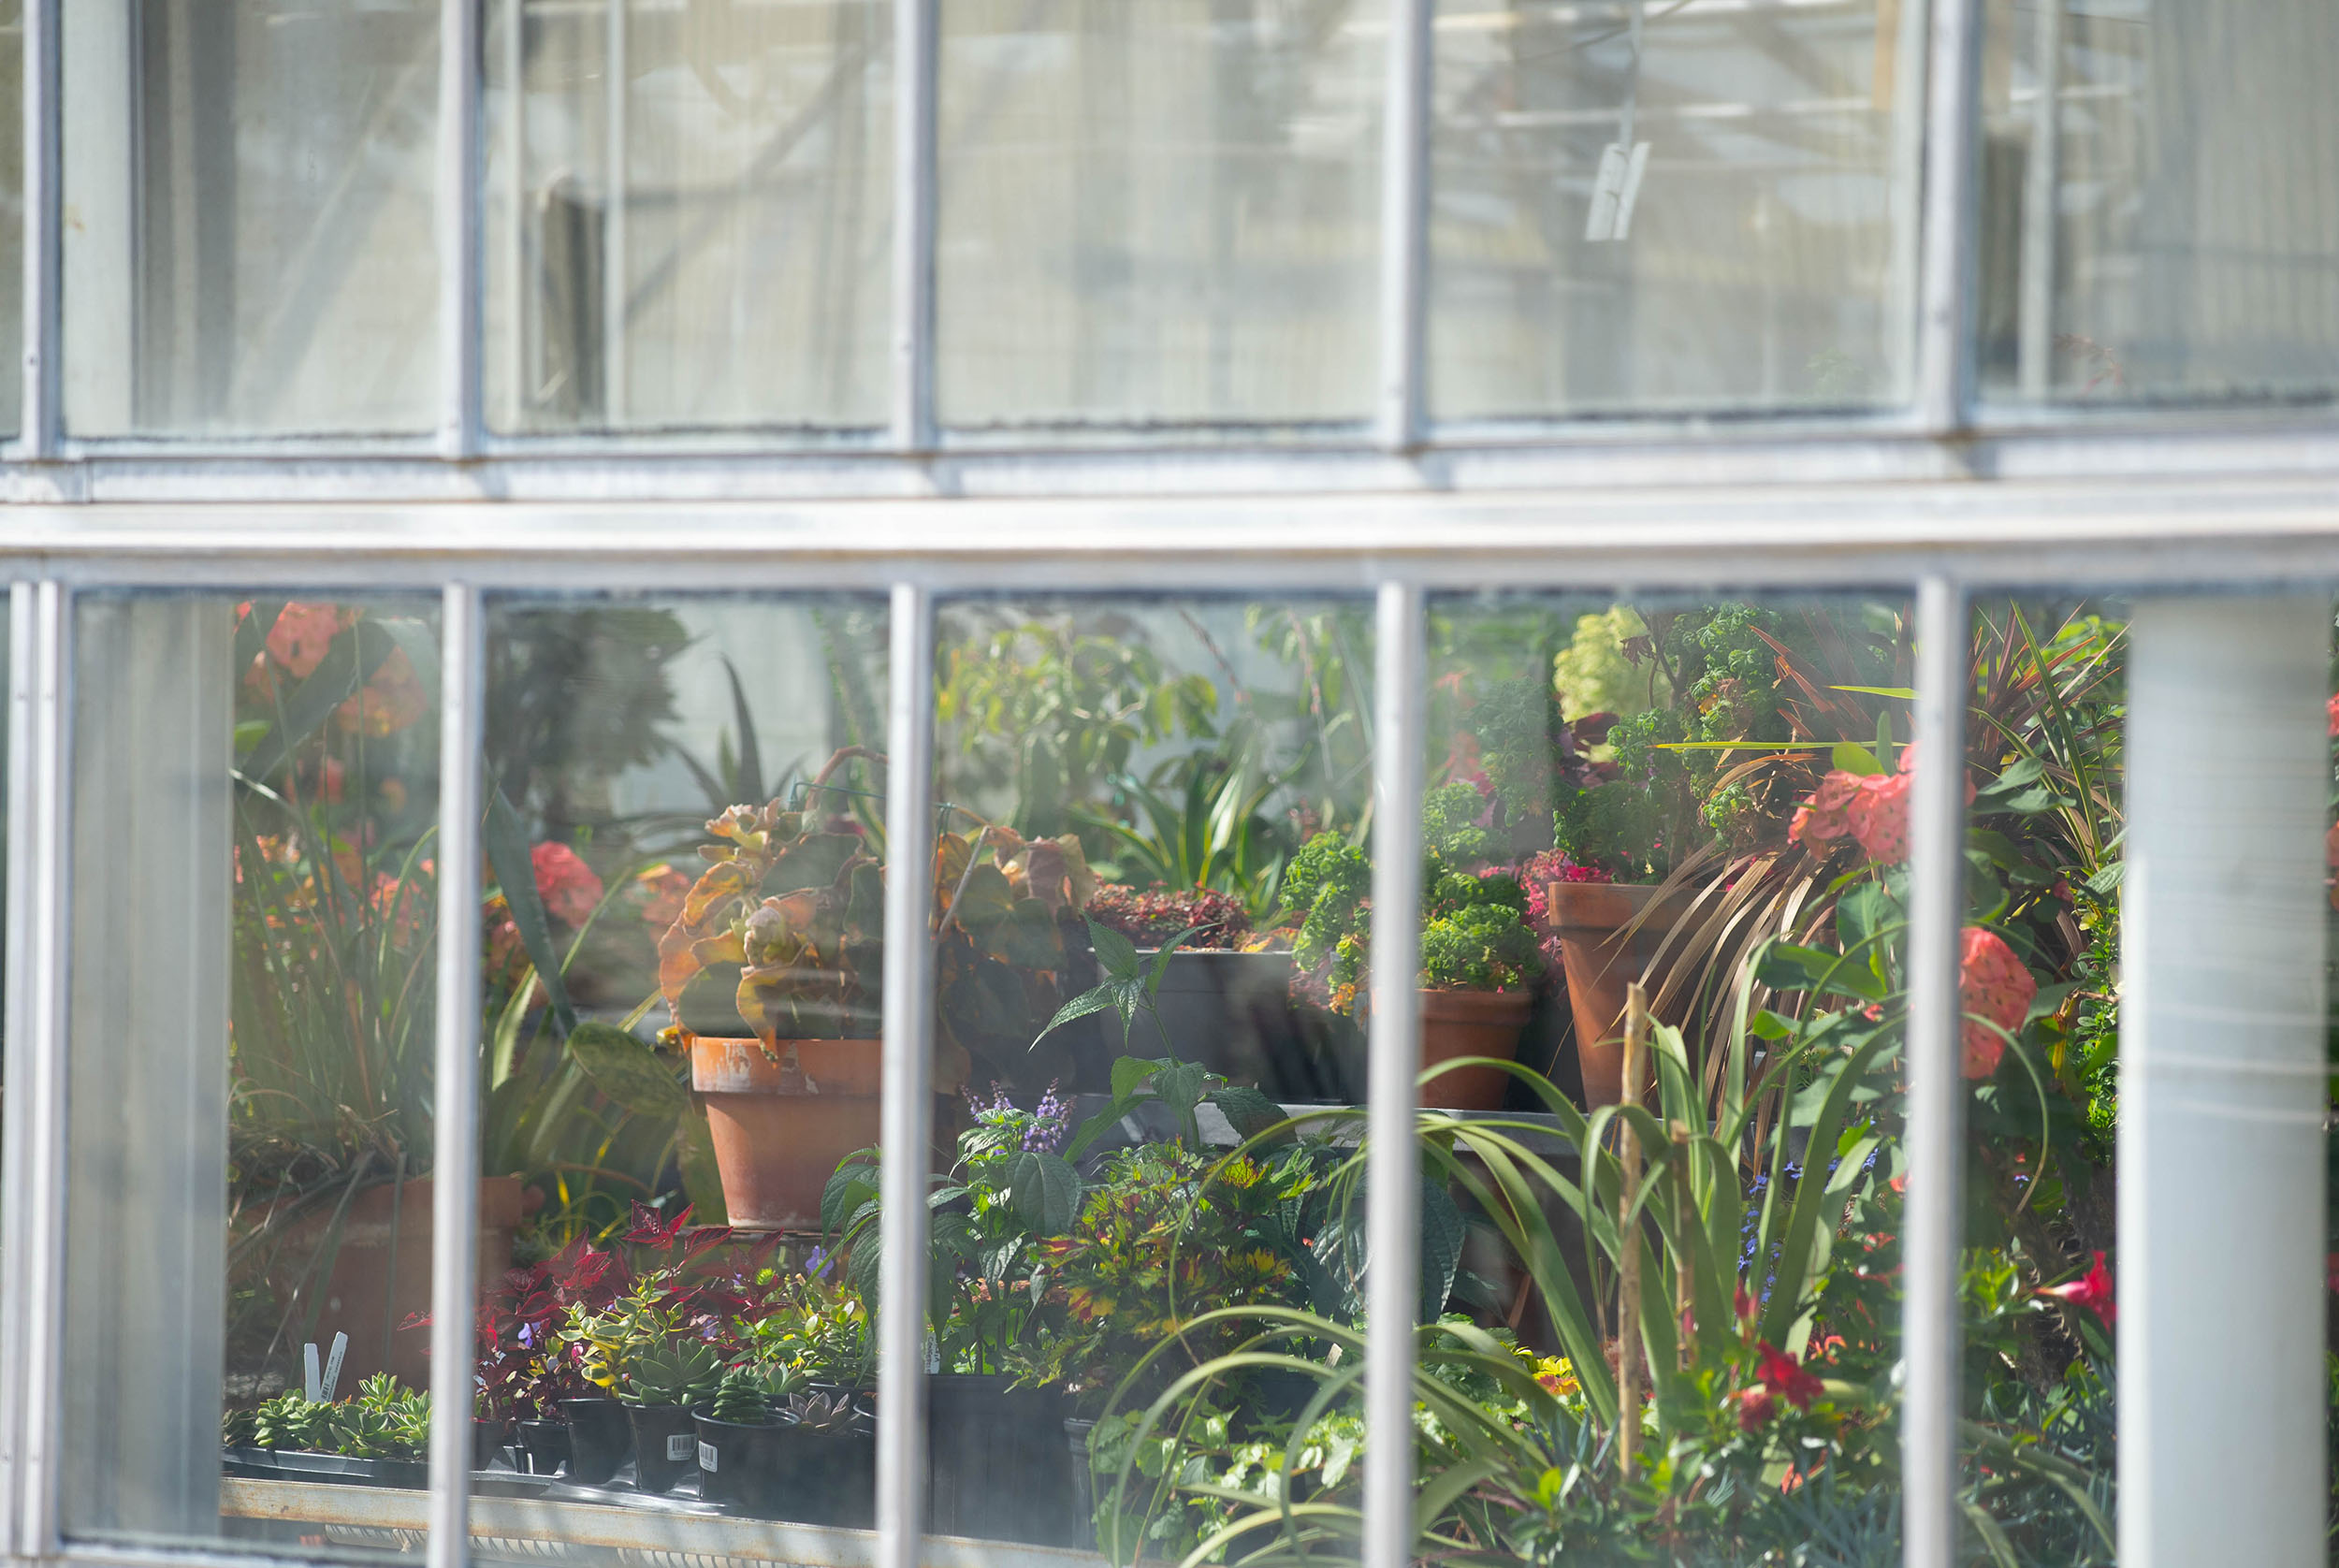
[(1601, 963), (369, 1294), (781, 1127), (1470, 1023)]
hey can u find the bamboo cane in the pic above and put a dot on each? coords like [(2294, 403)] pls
[(1628, 1356)]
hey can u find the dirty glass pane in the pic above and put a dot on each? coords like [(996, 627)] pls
[(249, 1154), (248, 244), (1660, 207), (2160, 203)]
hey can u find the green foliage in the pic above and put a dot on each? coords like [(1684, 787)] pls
[(740, 1399), (381, 1421), (682, 1371), (1485, 947), (810, 1328)]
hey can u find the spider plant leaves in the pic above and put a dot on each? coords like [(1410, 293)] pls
[(505, 841), (627, 1071)]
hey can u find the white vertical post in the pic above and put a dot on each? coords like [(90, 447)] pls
[(1405, 225), (2221, 1279), (16, 1037), (457, 220), (1934, 1219), (1947, 243), (916, 85), (38, 416), (40, 1267), (615, 372), (909, 1113), (455, 1102), (1393, 1174)]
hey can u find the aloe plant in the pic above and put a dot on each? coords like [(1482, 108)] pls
[(681, 1371), (741, 1401)]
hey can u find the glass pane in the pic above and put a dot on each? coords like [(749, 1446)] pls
[(250, 1157), (248, 244), (1640, 207), (2160, 202), (1150, 1273), (682, 1017), (1158, 212), (690, 214)]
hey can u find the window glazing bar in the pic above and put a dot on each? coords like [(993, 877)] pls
[(1931, 1230), (457, 198), (1393, 1172), (617, 186), (1951, 214), (916, 86), (15, 1131), (39, 420), (907, 1116), (1405, 225), (454, 1104), (36, 1058)]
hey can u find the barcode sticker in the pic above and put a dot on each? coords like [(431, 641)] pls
[(678, 1446), (706, 1458)]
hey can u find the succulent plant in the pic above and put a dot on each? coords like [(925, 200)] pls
[(742, 1400), (684, 1371), (290, 1421), (825, 1413), (239, 1429)]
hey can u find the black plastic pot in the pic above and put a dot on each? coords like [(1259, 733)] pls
[(600, 1439), (487, 1439), (823, 1477), (665, 1445), (544, 1444), (997, 1468), (1077, 1431), (735, 1461)]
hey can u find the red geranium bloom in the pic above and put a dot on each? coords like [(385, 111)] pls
[(1784, 1376), (2091, 1290)]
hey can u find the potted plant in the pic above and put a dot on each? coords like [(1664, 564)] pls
[(825, 1459), (733, 1429), (379, 1437), (659, 1390)]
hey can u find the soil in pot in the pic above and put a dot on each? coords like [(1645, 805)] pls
[(1601, 959), (735, 1461), (1471, 1023), (545, 1445), (665, 1445), (996, 1464), (779, 1128), (600, 1439)]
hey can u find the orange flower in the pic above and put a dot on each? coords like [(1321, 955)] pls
[(393, 700), (570, 890)]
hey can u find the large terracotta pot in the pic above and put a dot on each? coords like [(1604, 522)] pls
[(781, 1127), (369, 1291), (1601, 961), (1470, 1023)]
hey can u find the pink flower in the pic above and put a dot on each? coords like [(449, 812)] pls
[(1756, 1407), (1827, 814), (1995, 988), (2091, 1290), (2333, 709), (301, 634), (570, 890), (1872, 809)]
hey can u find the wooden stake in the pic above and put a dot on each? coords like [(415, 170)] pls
[(1628, 1352)]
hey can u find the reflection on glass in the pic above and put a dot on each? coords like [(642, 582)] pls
[(1640, 206), (248, 245), (1149, 1273), (2160, 203), (688, 214), (254, 909), (1158, 212), (682, 1012)]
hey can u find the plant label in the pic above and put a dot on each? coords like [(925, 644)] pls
[(706, 1458), (678, 1448), (333, 1364), (313, 1384)]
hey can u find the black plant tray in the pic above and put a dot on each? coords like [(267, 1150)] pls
[(285, 1464)]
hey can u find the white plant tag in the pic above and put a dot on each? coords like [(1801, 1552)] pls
[(678, 1446), (706, 1458), (333, 1365), (312, 1384), (1615, 192)]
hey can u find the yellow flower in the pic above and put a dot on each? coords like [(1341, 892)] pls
[(1557, 1376)]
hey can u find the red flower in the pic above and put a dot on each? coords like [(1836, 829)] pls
[(2091, 1290), (1993, 987), (1756, 1407), (300, 636), (570, 890), (1743, 1304), (1872, 809), (2332, 708), (1784, 1376)]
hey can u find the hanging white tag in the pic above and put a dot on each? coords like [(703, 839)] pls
[(1614, 191), (312, 1384), (333, 1365)]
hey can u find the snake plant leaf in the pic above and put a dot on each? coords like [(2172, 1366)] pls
[(627, 1071), (506, 842)]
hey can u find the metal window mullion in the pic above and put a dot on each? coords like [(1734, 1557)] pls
[(457, 198), (917, 76), (1405, 225), (37, 996), (617, 188), (1932, 1224), (1393, 1172), (1951, 215), (39, 419), (908, 1064), (455, 1102), (15, 1134)]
